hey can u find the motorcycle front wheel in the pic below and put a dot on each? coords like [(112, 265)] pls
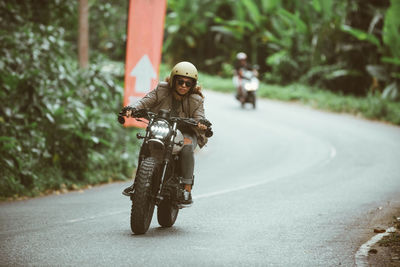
[(142, 202), (167, 213)]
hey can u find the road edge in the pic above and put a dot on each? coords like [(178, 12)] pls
[(384, 225)]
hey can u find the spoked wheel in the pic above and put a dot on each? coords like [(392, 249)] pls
[(167, 213), (142, 203)]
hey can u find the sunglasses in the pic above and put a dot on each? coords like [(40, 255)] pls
[(182, 82)]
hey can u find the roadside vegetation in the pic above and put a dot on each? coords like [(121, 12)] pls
[(373, 106), (58, 126), (342, 56)]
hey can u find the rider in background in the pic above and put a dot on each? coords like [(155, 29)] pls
[(182, 96), (240, 64)]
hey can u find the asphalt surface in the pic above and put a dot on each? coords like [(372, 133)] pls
[(282, 185)]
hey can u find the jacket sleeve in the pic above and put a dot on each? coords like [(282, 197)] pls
[(151, 99), (198, 114), (148, 101)]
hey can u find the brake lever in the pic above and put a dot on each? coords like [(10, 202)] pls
[(191, 122)]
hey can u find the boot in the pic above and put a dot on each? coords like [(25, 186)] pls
[(187, 198), (187, 195)]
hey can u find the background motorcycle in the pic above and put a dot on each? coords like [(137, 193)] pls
[(157, 181), (250, 84)]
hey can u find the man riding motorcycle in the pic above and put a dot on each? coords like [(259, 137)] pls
[(241, 65), (182, 96)]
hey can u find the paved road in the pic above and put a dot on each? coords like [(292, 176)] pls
[(282, 185)]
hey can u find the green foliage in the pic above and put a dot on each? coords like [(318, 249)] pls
[(391, 59), (373, 106), (57, 122), (216, 83), (185, 32), (325, 43), (107, 22), (391, 29), (361, 35)]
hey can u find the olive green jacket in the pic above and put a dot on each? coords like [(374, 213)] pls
[(192, 106)]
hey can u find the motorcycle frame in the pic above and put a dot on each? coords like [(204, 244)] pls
[(167, 162)]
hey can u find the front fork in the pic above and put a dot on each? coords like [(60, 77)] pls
[(166, 163)]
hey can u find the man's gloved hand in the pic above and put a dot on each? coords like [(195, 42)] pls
[(205, 122), (125, 111), (201, 126)]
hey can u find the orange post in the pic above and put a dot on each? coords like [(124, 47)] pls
[(143, 49)]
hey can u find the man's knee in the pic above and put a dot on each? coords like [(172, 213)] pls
[(187, 150)]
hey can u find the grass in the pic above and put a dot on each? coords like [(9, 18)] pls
[(371, 107)]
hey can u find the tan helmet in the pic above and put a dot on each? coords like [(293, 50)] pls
[(183, 68)]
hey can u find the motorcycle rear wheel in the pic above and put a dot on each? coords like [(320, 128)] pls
[(142, 203), (167, 213)]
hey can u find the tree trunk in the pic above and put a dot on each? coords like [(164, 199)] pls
[(83, 40)]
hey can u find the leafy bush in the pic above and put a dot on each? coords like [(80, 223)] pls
[(373, 106), (325, 43), (57, 122), (107, 22)]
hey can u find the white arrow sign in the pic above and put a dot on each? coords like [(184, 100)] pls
[(133, 99), (144, 73)]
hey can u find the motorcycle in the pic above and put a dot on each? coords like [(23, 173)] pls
[(157, 181), (250, 84)]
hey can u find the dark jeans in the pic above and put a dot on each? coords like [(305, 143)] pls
[(187, 159)]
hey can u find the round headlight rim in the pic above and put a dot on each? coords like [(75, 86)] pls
[(156, 129)]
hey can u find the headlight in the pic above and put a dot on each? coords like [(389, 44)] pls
[(159, 129), (248, 86), (251, 86)]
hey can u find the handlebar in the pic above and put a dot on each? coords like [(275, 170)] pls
[(144, 113), (121, 119)]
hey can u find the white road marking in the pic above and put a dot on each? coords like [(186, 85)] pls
[(227, 191), (207, 195), (95, 217)]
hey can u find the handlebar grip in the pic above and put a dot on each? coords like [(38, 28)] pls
[(121, 119)]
